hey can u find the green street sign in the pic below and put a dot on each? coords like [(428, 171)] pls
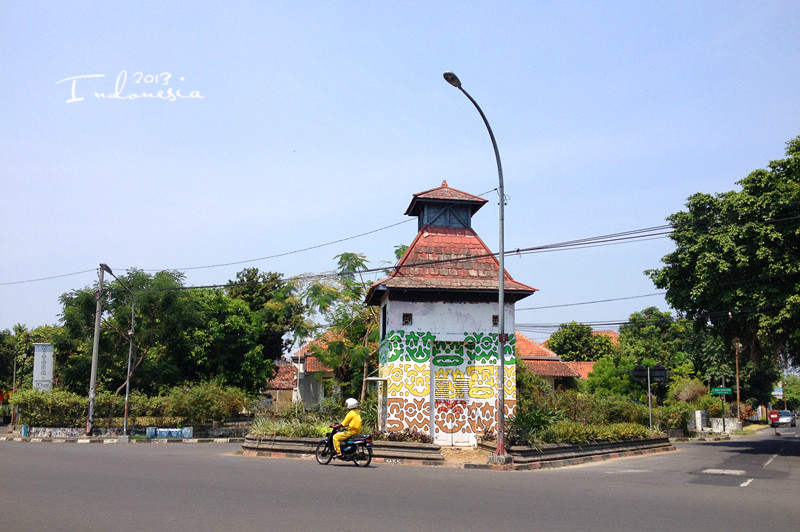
[(721, 391)]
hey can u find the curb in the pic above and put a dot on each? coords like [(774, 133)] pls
[(531, 466), (118, 440)]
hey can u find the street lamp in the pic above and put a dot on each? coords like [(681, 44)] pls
[(130, 348), (502, 337)]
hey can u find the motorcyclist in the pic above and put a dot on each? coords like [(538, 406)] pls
[(351, 424)]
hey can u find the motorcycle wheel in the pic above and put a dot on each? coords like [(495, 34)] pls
[(323, 453), (363, 457)]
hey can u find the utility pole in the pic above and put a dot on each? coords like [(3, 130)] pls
[(95, 352)]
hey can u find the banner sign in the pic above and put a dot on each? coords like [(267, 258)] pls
[(43, 367)]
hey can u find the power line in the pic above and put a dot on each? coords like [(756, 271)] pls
[(48, 278), (647, 233), (287, 252), (592, 302)]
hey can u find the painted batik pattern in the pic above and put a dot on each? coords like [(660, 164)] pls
[(459, 377)]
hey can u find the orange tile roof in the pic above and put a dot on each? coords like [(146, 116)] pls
[(285, 376), (549, 367), (581, 368), (527, 347), (450, 259), (612, 334), (313, 365), (541, 360), (445, 193), (304, 355)]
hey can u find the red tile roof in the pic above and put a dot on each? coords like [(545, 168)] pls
[(527, 347), (549, 368), (450, 259), (285, 376), (541, 360), (445, 193), (581, 368), (311, 363), (613, 335)]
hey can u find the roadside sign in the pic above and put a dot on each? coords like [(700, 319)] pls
[(777, 392), (640, 373), (774, 415), (721, 391), (658, 373)]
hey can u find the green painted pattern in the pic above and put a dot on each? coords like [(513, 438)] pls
[(402, 346)]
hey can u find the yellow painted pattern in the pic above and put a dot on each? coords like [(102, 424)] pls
[(418, 380), (481, 381)]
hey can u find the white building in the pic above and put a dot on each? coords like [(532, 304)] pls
[(439, 325)]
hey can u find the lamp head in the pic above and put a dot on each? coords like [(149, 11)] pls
[(452, 79), (106, 268)]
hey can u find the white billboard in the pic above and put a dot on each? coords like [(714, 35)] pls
[(43, 367)]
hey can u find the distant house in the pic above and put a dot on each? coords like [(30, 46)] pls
[(298, 379), (311, 372), (544, 362), (280, 390), (610, 333), (581, 368)]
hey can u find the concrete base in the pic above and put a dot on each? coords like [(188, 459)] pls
[(500, 459)]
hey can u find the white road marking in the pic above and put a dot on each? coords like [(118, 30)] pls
[(773, 457), (733, 472), (746, 483)]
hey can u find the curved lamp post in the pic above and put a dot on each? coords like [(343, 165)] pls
[(502, 337), (130, 348)]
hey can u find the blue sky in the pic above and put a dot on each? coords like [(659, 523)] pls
[(317, 121)]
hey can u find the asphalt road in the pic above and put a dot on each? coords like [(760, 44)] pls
[(747, 483)]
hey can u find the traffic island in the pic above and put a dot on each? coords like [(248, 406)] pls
[(525, 457), (389, 452)]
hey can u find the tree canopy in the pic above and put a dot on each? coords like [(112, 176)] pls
[(351, 341), (736, 265), (181, 335), (577, 342)]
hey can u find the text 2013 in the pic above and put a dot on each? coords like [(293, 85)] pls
[(157, 79)]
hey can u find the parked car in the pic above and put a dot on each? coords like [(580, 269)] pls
[(785, 418)]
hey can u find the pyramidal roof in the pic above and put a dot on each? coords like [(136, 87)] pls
[(446, 194), (447, 263)]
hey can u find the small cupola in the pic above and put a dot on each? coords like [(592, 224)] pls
[(444, 207)]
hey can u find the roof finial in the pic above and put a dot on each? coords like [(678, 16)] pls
[(444, 182)]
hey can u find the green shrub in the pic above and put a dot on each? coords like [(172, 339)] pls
[(686, 390), (267, 426), (575, 433), (204, 402), (51, 409), (108, 408), (710, 404), (622, 410), (674, 416)]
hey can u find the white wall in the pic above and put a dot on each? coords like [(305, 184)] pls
[(445, 319)]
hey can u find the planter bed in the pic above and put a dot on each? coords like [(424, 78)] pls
[(286, 446), (554, 455)]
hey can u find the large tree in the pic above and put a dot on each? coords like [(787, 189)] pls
[(278, 311), (350, 344), (181, 334), (577, 342), (736, 264)]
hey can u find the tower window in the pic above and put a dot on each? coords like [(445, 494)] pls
[(407, 318), (495, 320)]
